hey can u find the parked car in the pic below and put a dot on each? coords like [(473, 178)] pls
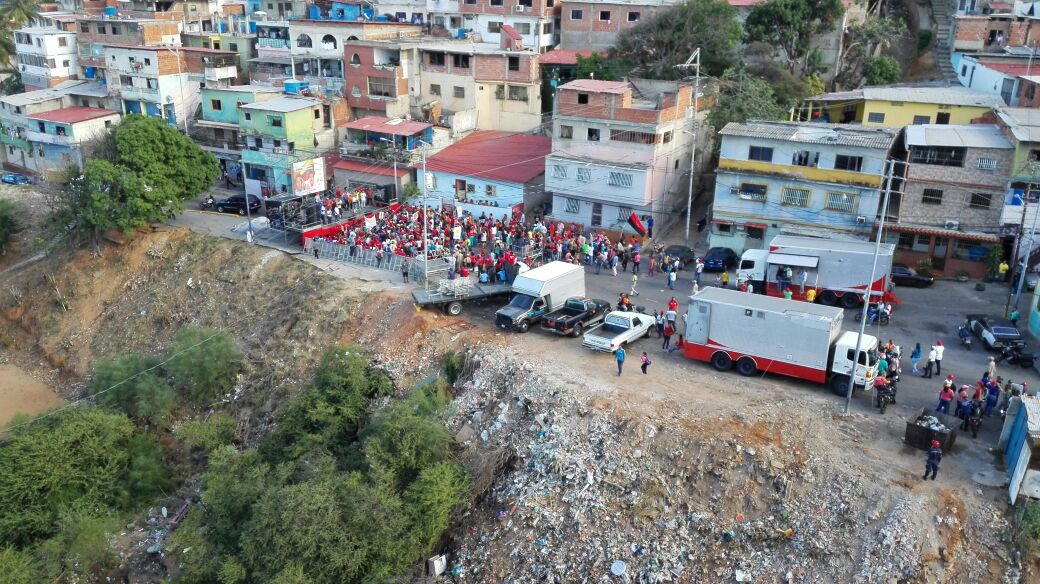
[(14, 178), (237, 204), (904, 275), (618, 328), (685, 254), (576, 314), (995, 332), (720, 259)]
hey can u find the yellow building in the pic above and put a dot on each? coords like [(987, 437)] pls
[(899, 106)]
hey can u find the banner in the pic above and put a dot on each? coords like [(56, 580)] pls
[(308, 176)]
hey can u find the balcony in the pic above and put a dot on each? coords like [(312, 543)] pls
[(42, 138), (828, 175), (135, 92), (15, 141), (217, 73)]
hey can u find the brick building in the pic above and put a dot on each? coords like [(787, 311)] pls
[(992, 33), (94, 32), (595, 25)]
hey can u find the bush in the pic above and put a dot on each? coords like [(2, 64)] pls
[(18, 567), (882, 71), (454, 365), (132, 385), (10, 221), (208, 434), (1027, 526), (431, 499), (234, 482), (81, 545), (203, 363), (145, 476), (924, 39), (404, 443)]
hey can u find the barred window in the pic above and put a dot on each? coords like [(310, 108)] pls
[(584, 175), (980, 200), (844, 202), (620, 179), (559, 171), (987, 163), (573, 205), (794, 197)]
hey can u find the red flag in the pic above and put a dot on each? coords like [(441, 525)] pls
[(636, 224)]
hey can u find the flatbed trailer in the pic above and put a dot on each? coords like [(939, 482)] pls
[(450, 295)]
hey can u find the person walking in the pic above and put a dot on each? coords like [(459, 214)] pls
[(698, 268), (645, 362), (915, 356), (637, 259), (619, 356), (946, 396), (930, 365), (671, 280), (991, 368), (613, 264), (635, 282), (669, 330), (659, 318), (939, 348), (931, 465), (725, 279), (1013, 317)]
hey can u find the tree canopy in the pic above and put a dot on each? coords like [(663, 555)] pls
[(863, 40), (743, 97), (882, 70), (791, 25)]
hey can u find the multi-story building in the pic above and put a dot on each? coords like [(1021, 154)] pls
[(797, 178), (595, 25), (900, 105), (243, 44), (952, 198), (619, 148), (380, 73), (58, 136), (1021, 210), (216, 129), (94, 32), (46, 54), (376, 150), (531, 19)]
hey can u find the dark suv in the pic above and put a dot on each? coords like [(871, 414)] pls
[(237, 204)]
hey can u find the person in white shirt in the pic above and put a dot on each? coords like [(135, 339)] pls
[(939, 348)]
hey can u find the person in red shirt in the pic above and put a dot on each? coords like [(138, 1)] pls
[(673, 304)]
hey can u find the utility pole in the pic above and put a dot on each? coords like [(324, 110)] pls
[(890, 166), (693, 61), (393, 150), (425, 218)]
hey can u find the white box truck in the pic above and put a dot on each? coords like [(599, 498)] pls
[(838, 269), (756, 333), (539, 292)]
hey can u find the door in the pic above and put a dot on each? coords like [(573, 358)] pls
[(460, 189), (597, 214), (939, 250), (942, 118), (699, 319)]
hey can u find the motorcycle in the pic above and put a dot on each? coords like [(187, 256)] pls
[(1016, 355), (965, 336), (885, 394), (973, 421), (873, 317), (209, 203)]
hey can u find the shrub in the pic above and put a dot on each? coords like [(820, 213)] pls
[(454, 365), (430, 500), (10, 221), (208, 434), (405, 443), (203, 363), (81, 546), (145, 475), (18, 567), (1027, 526), (924, 39), (882, 71), (234, 482), (195, 553), (130, 387), (344, 368)]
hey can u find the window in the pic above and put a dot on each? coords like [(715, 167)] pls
[(722, 227), (583, 98), (435, 89), (987, 163), (437, 59), (842, 202), (964, 70), (460, 61), (633, 17), (559, 171), (317, 114), (805, 158), (381, 87), (459, 92), (980, 200), (932, 196), (42, 126), (573, 205), (596, 218), (752, 192), (116, 29), (494, 27), (593, 135), (522, 27), (471, 2), (575, 14), (274, 121), (355, 60), (101, 29), (84, 27), (147, 61), (794, 197), (489, 190), (623, 213), (938, 156), (356, 91), (216, 104), (604, 15), (584, 175), (905, 241), (918, 120), (513, 63), (547, 28), (233, 47), (620, 179), (853, 163), (248, 116), (496, 2), (517, 93), (969, 250), (567, 132), (634, 137), (876, 117), (666, 137), (760, 153), (303, 41), (63, 42)]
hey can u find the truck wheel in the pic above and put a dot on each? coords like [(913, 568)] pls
[(849, 300), (578, 329), (453, 309), (828, 298), (841, 385), (523, 326), (746, 366), (721, 361)]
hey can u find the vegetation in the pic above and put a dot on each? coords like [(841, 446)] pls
[(882, 70), (12, 84), (743, 97), (13, 14), (597, 66), (133, 385), (208, 434), (1027, 526), (792, 25), (864, 40), (203, 363), (10, 222), (924, 39)]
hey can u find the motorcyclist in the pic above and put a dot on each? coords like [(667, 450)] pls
[(963, 332)]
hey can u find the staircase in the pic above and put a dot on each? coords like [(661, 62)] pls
[(942, 34)]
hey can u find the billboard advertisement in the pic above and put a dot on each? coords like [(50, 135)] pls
[(308, 176)]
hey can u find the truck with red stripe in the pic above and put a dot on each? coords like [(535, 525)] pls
[(838, 269), (754, 334)]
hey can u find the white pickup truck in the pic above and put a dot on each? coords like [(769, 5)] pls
[(618, 328)]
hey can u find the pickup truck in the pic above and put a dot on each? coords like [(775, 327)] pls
[(618, 328), (576, 314)]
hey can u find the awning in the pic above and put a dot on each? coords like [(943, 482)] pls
[(719, 221), (800, 261), (756, 225), (948, 233)]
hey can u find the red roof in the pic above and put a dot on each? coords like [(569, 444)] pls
[(511, 32), (369, 168), (504, 156), (1013, 69), (394, 127), (562, 57), (73, 115)]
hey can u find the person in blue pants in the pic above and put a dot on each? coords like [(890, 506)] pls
[(619, 355), (931, 466)]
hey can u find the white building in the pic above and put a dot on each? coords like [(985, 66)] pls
[(46, 55)]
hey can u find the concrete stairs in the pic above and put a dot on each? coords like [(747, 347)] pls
[(942, 34)]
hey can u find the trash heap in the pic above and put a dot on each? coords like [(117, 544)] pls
[(932, 423)]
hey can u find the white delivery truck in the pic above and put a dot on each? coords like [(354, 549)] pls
[(756, 333), (838, 269), (539, 292)]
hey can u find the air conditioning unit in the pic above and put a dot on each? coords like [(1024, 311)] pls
[(519, 8), (954, 225), (279, 150), (861, 219)]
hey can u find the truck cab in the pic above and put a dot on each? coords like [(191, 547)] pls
[(842, 359), (521, 312)]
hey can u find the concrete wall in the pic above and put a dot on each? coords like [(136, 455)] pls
[(505, 194), (977, 76)]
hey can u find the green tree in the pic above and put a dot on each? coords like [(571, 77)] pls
[(863, 40), (882, 71), (11, 213), (18, 567), (102, 196), (598, 66), (145, 476), (203, 362), (234, 482), (16, 13), (81, 544), (431, 498), (213, 432), (132, 385), (11, 84), (743, 97), (656, 45), (788, 89), (404, 443), (792, 25)]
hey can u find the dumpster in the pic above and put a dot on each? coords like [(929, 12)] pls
[(928, 425)]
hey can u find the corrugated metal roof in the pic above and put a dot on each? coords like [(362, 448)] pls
[(596, 86), (62, 89), (937, 94), (1023, 122), (971, 136), (282, 104), (815, 133), (767, 303)]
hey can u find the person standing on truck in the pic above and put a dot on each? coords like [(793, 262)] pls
[(645, 362), (939, 348), (931, 465), (802, 277), (619, 356)]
